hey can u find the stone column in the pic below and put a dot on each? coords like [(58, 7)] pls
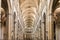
[(10, 23), (49, 19)]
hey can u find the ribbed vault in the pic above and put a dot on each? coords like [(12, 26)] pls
[(29, 12)]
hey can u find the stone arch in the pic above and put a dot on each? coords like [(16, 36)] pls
[(4, 15), (57, 22), (56, 13)]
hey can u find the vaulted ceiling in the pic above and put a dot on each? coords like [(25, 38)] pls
[(29, 12)]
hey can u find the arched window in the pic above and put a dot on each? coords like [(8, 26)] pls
[(44, 19)]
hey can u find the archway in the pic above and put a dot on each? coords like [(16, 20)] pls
[(4, 21), (56, 18), (57, 23)]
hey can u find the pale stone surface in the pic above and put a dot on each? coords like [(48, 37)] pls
[(28, 14)]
